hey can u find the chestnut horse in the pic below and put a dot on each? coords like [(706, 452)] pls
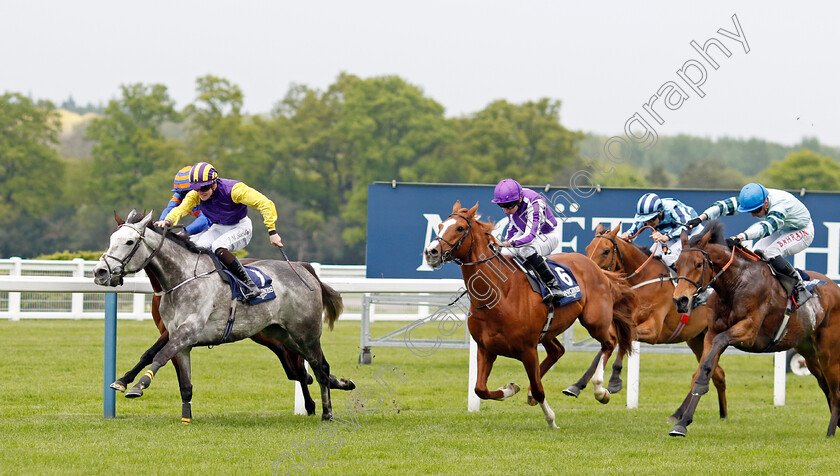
[(507, 318), (658, 322), (749, 314)]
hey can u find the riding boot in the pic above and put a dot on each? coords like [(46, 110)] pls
[(227, 258), (539, 265), (782, 266)]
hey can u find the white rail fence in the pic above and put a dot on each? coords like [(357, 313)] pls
[(34, 289)]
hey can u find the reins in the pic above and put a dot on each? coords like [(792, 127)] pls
[(747, 254), (123, 262), (616, 257)]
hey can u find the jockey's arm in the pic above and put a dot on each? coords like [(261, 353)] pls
[(241, 193), (190, 201)]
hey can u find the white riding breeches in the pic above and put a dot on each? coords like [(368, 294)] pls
[(542, 244), (233, 237), (674, 247), (785, 242)]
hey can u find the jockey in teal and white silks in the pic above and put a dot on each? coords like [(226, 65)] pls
[(785, 227), (668, 216), (532, 231)]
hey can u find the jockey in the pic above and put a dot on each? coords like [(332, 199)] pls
[(785, 228), (180, 188), (225, 203), (532, 231), (668, 217)]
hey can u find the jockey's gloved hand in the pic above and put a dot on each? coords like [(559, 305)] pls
[(732, 241), (694, 222)]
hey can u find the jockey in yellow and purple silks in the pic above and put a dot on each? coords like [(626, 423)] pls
[(225, 203), (180, 188)]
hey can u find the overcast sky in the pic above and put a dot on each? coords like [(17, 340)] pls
[(604, 60)]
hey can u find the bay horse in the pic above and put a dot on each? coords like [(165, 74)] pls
[(750, 315), (507, 318), (197, 308), (293, 364), (657, 322)]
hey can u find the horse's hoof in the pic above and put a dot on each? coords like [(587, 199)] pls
[(615, 386), (309, 379), (700, 389), (118, 386), (327, 416), (678, 430), (350, 384), (135, 392), (531, 400), (572, 391), (604, 398)]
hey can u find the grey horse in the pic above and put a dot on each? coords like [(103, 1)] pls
[(197, 308)]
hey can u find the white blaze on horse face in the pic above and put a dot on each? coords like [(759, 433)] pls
[(443, 227)]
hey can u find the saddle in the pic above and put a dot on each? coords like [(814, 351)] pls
[(262, 280), (565, 279)]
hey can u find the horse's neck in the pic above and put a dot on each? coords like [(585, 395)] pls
[(173, 263), (492, 278), (632, 257)]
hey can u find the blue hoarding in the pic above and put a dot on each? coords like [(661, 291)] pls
[(403, 218)]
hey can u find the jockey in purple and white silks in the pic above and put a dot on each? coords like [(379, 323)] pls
[(785, 227), (225, 203), (532, 231)]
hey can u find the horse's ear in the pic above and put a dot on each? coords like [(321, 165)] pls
[(132, 216), (118, 218), (457, 206), (614, 231), (146, 221), (472, 211), (684, 239), (704, 240), (599, 230)]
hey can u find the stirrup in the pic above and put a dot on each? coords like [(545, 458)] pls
[(552, 294)]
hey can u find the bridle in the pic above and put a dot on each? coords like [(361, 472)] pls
[(616, 254), (707, 262), (124, 261), (446, 256)]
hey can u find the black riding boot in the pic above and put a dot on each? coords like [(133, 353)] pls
[(539, 265), (227, 258), (782, 266)]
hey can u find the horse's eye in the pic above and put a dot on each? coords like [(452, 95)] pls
[(699, 265), (460, 228), (129, 242), (605, 252)]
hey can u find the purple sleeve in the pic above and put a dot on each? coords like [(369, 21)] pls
[(534, 210)]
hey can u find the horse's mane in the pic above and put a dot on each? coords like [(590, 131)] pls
[(715, 227), (183, 240)]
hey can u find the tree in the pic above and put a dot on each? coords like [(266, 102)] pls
[(710, 174), (30, 170), (803, 169), (132, 159)]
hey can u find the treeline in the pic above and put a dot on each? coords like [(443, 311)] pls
[(314, 154)]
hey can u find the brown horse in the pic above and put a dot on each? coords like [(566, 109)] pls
[(293, 363), (750, 314), (658, 322), (507, 318)]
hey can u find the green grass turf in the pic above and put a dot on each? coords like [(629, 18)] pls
[(51, 414)]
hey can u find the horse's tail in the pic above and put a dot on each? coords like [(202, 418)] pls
[(333, 303), (625, 302)]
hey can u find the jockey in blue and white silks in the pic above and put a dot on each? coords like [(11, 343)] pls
[(784, 229), (668, 216), (532, 231)]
